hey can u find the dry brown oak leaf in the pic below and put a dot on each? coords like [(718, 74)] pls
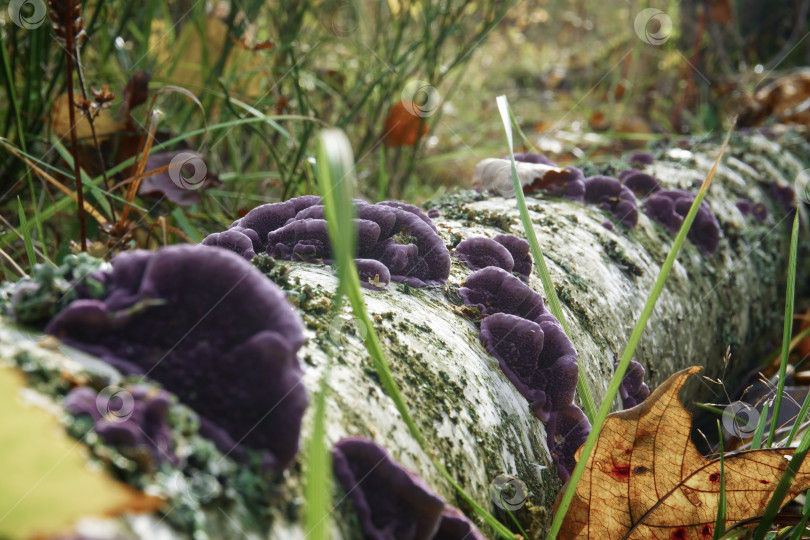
[(645, 478)]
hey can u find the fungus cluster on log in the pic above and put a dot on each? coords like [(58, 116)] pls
[(503, 251), (532, 350), (669, 208), (213, 330), (618, 195), (399, 236)]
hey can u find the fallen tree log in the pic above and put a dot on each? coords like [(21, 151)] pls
[(474, 420)]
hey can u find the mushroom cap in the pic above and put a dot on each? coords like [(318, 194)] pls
[(670, 207), (567, 430), (479, 252), (494, 290), (234, 240), (373, 274), (633, 390), (269, 217), (415, 210), (641, 158), (759, 210), (610, 194), (785, 195), (429, 264), (456, 526), (642, 184), (519, 249), (202, 321), (529, 157), (542, 366), (390, 501)]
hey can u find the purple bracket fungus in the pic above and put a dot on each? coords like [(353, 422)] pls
[(785, 196), (609, 194), (529, 157), (479, 252), (374, 275), (633, 389), (567, 430), (519, 249), (758, 210), (415, 210), (456, 526), (494, 290), (433, 213), (670, 207), (233, 239), (639, 159), (414, 252), (213, 331), (642, 184), (308, 240), (538, 359), (390, 501), (131, 427), (269, 217), (399, 235), (608, 224)]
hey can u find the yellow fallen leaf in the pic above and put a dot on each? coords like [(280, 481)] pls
[(191, 69), (646, 479), (46, 482)]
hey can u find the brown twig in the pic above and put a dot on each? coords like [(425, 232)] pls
[(66, 16)]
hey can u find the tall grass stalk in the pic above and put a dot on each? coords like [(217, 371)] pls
[(720, 521), (787, 330), (782, 487), (537, 254), (318, 470), (336, 180), (632, 343)]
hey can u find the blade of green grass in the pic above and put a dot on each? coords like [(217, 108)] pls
[(782, 487), (756, 442), (787, 330), (29, 245), (15, 106), (583, 389), (720, 522), (632, 343), (336, 179), (318, 470)]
